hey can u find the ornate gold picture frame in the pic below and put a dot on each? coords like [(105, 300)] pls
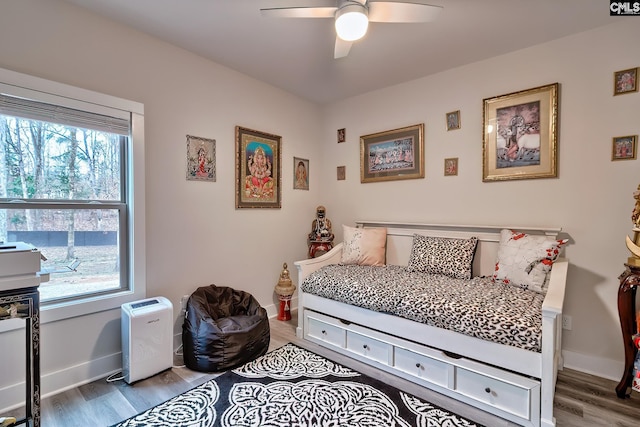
[(258, 169), (521, 135), (393, 154)]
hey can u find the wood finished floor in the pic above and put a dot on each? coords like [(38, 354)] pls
[(581, 399)]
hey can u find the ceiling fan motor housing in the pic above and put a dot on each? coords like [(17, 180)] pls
[(351, 20)]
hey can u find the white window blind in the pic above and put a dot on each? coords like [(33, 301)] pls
[(34, 110)]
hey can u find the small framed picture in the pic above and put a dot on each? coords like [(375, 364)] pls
[(342, 135), (451, 166), (341, 173), (300, 174), (624, 147), (453, 120), (625, 81), (201, 159)]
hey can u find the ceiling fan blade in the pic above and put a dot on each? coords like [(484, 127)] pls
[(384, 11), (342, 48), (299, 12)]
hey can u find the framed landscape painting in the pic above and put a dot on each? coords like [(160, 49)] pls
[(521, 135), (392, 155), (258, 169)]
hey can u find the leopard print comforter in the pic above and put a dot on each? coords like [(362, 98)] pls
[(477, 307)]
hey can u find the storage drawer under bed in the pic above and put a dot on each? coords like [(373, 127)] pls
[(514, 396)]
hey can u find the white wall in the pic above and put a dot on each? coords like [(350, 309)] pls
[(591, 199), (195, 236)]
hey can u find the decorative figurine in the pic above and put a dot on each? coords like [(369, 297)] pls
[(285, 289), (321, 237), (321, 226), (634, 245)]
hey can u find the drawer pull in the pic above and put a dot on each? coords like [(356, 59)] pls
[(418, 365), (488, 390), (324, 332), (366, 347)]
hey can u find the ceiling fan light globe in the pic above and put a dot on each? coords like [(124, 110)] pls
[(351, 23)]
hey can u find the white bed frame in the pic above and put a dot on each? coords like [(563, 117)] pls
[(515, 384)]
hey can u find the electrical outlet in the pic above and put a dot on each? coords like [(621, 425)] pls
[(566, 322)]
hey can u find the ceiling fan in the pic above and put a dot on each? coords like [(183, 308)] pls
[(352, 17)]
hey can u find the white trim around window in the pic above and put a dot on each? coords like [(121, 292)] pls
[(17, 84)]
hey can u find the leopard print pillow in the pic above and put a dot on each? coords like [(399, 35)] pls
[(441, 255)]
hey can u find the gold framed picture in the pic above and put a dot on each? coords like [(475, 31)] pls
[(258, 169), (451, 166), (624, 147), (341, 173), (521, 135), (453, 120), (625, 81), (393, 154)]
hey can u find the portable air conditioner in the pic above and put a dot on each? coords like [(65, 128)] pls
[(147, 341)]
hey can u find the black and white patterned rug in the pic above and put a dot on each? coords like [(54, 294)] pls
[(291, 386)]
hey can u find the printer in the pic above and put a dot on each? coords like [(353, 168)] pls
[(20, 266)]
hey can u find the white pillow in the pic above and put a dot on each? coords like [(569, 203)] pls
[(525, 260), (364, 246)]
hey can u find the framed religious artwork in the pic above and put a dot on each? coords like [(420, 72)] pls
[(201, 159), (624, 147), (341, 173), (453, 120), (300, 174), (451, 166), (521, 135), (625, 81), (393, 154), (342, 135), (258, 169)]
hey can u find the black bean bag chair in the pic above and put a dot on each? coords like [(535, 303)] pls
[(223, 328)]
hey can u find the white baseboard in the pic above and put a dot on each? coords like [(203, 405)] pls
[(52, 383), (12, 396), (598, 366)]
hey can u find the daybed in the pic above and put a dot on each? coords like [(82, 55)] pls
[(500, 353)]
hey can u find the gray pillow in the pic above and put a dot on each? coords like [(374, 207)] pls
[(441, 255)]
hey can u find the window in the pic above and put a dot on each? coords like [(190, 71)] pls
[(66, 186)]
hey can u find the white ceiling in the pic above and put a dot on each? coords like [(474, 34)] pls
[(297, 54)]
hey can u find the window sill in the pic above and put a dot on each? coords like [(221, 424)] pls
[(53, 312)]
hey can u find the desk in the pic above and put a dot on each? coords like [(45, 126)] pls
[(629, 281), (24, 303)]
